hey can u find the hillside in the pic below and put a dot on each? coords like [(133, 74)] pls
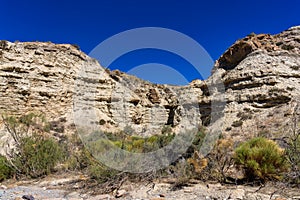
[(254, 90), (260, 74)]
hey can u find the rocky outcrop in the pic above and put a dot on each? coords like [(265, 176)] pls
[(288, 40), (259, 74)]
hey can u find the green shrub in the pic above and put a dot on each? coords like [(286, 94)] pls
[(132, 143), (37, 156), (21, 126), (261, 158), (5, 169), (198, 139), (100, 172)]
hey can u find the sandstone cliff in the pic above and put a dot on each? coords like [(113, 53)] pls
[(260, 75)]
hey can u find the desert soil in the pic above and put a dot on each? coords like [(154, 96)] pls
[(70, 187)]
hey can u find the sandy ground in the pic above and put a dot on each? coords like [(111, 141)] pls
[(69, 187)]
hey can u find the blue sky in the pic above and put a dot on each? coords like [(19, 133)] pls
[(213, 24)]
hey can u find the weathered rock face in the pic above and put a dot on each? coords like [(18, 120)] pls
[(64, 83), (38, 76), (288, 40), (260, 75)]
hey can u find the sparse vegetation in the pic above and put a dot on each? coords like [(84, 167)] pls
[(293, 156), (293, 149), (130, 142), (222, 158), (191, 165), (35, 154), (183, 172), (217, 163), (100, 173), (39, 154)]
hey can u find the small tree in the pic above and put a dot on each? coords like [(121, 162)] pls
[(261, 158)]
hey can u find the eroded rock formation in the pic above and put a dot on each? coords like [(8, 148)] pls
[(260, 75)]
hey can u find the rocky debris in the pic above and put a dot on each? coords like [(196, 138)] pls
[(28, 197), (121, 193), (211, 192), (49, 188), (156, 190)]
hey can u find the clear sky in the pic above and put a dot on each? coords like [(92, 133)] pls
[(213, 24)]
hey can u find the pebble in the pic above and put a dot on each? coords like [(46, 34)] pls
[(121, 193), (28, 197), (3, 187)]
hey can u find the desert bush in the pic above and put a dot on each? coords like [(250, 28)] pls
[(198, 163), (191, 164), (293, 156), (6, 171), (292, 142), (182, 172), (78, 157), (100, 172), (35, 154), (22, 126), (222, 158), (218, 162), (192, 155), (131, 143), (261, 158)]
